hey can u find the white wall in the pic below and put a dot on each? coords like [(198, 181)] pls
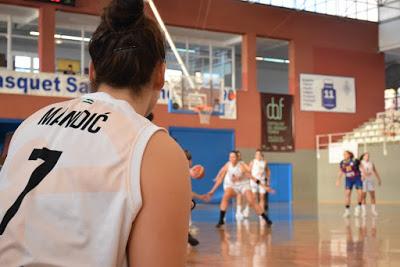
[(388, 167)]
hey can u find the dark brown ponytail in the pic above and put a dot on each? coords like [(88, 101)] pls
[(126, 46)]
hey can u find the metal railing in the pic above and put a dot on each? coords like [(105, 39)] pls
[(385, 128)]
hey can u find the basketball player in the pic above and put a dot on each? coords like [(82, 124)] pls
[(238, 182), (259, 170), (91, 181), (349, 167), (222, 175), (240, 214), (368, 171), (205, 197)]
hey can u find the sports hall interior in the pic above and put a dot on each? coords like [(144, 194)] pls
[(265, 49)]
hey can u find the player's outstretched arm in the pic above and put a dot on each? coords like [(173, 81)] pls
[(267, 173), (217, 183), (221, 172), (377, 175), (159, 232), (339, 177), (219, 179)]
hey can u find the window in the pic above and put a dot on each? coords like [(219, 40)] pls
[(3, 44), (213, 62), (19, 23), (68, 51), (26, 63), (357, 9), (73, 33)]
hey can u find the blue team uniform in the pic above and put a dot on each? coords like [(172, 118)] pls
[(351, 169)]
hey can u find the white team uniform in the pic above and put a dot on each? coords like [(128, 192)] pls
[(82, 159), (228, 179), (258, 171), (368, 182), (240, 186)]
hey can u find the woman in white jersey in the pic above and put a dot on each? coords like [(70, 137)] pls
[(91, 181), (240, 198), (260, 170), (238, 182), (227, 182), (368, 172)]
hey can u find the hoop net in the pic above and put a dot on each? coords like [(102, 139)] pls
[(204, 112)]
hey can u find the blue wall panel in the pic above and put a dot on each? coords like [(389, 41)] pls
[(7, 125), (281, 181), (210, 148)]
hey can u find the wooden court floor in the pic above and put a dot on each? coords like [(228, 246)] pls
[(318, 236)]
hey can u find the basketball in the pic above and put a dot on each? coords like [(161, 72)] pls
[(231, 95), (197, 172)]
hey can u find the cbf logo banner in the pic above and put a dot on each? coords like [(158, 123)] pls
[(327, 93), (277, 124)]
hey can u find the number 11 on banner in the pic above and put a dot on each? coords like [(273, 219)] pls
[(328, 95)]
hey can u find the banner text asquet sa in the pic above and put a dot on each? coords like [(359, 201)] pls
[(43, 84)]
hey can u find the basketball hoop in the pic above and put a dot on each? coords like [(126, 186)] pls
[(204, 112)]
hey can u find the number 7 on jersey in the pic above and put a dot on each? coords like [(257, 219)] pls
[(50, 158)]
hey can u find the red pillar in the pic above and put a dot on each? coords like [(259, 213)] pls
[(47, 49), (248, 101), (249, 63)]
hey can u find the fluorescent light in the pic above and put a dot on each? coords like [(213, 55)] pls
[(64, 37), (273, 60), (186, 50)]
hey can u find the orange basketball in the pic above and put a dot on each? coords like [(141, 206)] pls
[(197, 172), (231, 95)]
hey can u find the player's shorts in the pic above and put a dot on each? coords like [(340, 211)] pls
[(368, 185), (256, 188), (354, 182), (227, 184), (241, 187)]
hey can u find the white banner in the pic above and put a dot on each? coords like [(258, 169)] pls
[(327, 93), (60, 85), (72, 86), (43, 84), (336, 151), (229, 104)]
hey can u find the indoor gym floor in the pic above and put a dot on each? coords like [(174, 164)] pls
[(302, 238)]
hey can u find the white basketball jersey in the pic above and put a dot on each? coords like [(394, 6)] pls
[(258, 169), (368, 167), (70, 187), (234, 171)]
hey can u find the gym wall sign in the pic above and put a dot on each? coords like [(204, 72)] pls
[(323, 93), (43, 84), (277, 124), (50, 84)]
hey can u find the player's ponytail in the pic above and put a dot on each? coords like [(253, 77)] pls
[(350, 154), (187, 154), (126, 47), (120, 15)]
